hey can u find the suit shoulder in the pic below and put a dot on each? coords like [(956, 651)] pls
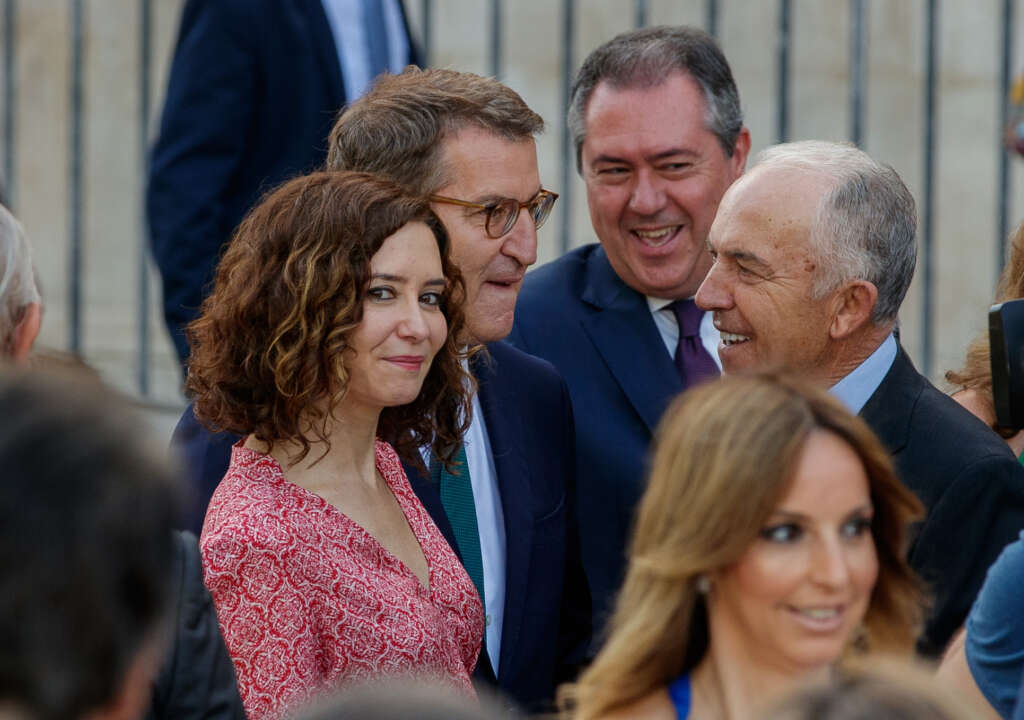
[(960, 440), (509, 359), (559, 277)]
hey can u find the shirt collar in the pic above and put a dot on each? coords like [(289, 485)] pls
[(856, 388)]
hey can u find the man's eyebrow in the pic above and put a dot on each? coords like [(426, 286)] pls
[(672, 152)]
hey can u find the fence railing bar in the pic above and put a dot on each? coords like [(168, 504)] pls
[(496, 49), (145, 79), (639, 13), (1005, 76), (10, 100), (426, 13), (711, 17), (782, 103), (75, 209), (928, 209), (568, 152), (858, 71)]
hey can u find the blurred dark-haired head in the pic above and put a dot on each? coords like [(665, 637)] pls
[(86, 517)]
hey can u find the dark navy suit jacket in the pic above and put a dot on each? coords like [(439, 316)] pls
[(546, 631), (969, 481), (576, 313), (254, 89)]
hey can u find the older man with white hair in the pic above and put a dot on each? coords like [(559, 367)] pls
[(813, 254), (20, 305)]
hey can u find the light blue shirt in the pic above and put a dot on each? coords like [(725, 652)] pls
[(346, 20), (855, 389)]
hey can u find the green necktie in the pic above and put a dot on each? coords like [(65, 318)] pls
[(457, 499)]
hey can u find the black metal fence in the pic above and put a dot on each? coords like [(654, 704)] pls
[(567, 16)]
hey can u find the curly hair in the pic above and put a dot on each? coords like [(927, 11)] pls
[(270, 344), (724, 456)]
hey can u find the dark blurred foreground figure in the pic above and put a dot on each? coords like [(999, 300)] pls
[(408, 700), (887, 691), (196, 679), (769, 544), (85, 545)]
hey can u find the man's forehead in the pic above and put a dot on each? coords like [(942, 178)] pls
[(763, 224), (482, 162)]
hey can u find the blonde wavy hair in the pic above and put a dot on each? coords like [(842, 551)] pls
[(724, 455)]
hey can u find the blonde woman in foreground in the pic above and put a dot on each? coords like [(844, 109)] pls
[(769, 543)]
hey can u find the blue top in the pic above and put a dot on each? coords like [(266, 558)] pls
[(995, 631), (679, 692)]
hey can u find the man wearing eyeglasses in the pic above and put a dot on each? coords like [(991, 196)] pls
[(656, 121), (467, 142)]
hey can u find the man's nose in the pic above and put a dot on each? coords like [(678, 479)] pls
[(713, 293), (521, 241), (648, 196)]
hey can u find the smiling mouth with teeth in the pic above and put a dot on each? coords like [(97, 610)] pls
[(656, 238), (733, 339)]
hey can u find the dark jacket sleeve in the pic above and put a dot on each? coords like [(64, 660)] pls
[(200, 146), (980, 514), (575, 623), (197, 679)]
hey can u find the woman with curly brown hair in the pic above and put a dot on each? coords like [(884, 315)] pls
[(770, 540), (330, 343)]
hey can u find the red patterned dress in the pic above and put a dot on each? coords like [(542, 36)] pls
[(308, 600)]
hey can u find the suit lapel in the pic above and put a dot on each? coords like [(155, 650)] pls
[(321, 38), (624, 334), (887, 410), (501, 414)]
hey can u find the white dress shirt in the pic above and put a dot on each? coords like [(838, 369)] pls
[(668, 328), (346, 20)]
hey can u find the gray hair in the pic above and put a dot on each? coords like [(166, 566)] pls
[(18, 287), (865, 225), (644, 59)]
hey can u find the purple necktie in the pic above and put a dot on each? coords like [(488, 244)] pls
[(693, 362)]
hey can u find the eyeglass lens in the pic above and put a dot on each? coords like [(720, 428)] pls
[(502, 217)]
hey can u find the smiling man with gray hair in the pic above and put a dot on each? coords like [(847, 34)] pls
[(20, 304), (813, 254)]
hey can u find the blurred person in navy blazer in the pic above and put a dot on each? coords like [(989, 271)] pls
[(468, 142), (254, 88), (656, 121)]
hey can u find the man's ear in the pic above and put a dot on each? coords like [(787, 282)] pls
[(25, 333), (740, 151), (851, 309)]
